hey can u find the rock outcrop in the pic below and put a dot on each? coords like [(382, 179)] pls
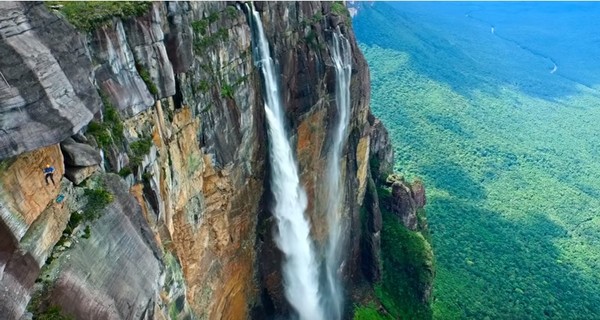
[(382, 156), (79, 154), (187, 232), (406, 199)]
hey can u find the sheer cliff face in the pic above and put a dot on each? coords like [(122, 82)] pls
[(186, 229)]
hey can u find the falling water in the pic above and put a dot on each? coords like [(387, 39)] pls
[(300, 269), (342, 59)]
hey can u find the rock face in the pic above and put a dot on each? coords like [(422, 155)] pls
[(371, 237), (45, 94), (117, 74), (110, 277), (188, 233), (381, 159), (382, 156), (145, 37), (30, 224), (23, 190)]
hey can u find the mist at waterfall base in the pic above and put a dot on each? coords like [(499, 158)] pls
[(300, 268), (333, 299)]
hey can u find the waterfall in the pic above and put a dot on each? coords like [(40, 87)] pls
[(342, 58), (300, 268), (102, 159)]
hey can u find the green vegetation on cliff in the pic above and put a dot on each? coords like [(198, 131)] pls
[(407, 270), (368, 312), (88, 15), (109, 131), (509, 154)]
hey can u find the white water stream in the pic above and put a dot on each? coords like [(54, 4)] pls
[(342, 58), (300, 268)]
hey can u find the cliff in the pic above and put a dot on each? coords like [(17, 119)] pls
[(154, 121)]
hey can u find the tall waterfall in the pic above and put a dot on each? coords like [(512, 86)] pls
[(342, 58), (300, 268)]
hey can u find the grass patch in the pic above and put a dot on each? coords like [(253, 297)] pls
[(145, 75), (203, 86), (87, 16), (139, 149), (232, 12), (87, 232), (368, 312), (311, 39), (226, 91), (100, 133), (95, 201), (124, 172), (202, 37), (340, 9), (202, 43), (52, 313), (200, 26), (110, 131), (40, 307), (6, 163)]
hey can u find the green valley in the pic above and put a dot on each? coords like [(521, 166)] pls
[(508, 150)]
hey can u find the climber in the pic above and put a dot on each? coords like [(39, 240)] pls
[(49, 172)]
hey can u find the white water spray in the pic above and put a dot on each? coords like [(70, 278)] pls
[(300, 269), (342, 59)]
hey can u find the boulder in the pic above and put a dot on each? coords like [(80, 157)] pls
[(79, 154), (78, 174), (80, 137)]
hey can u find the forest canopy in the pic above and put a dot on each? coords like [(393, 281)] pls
[(509, 154)]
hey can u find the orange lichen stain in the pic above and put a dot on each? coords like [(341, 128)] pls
[(24, 187), (311, 136)]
